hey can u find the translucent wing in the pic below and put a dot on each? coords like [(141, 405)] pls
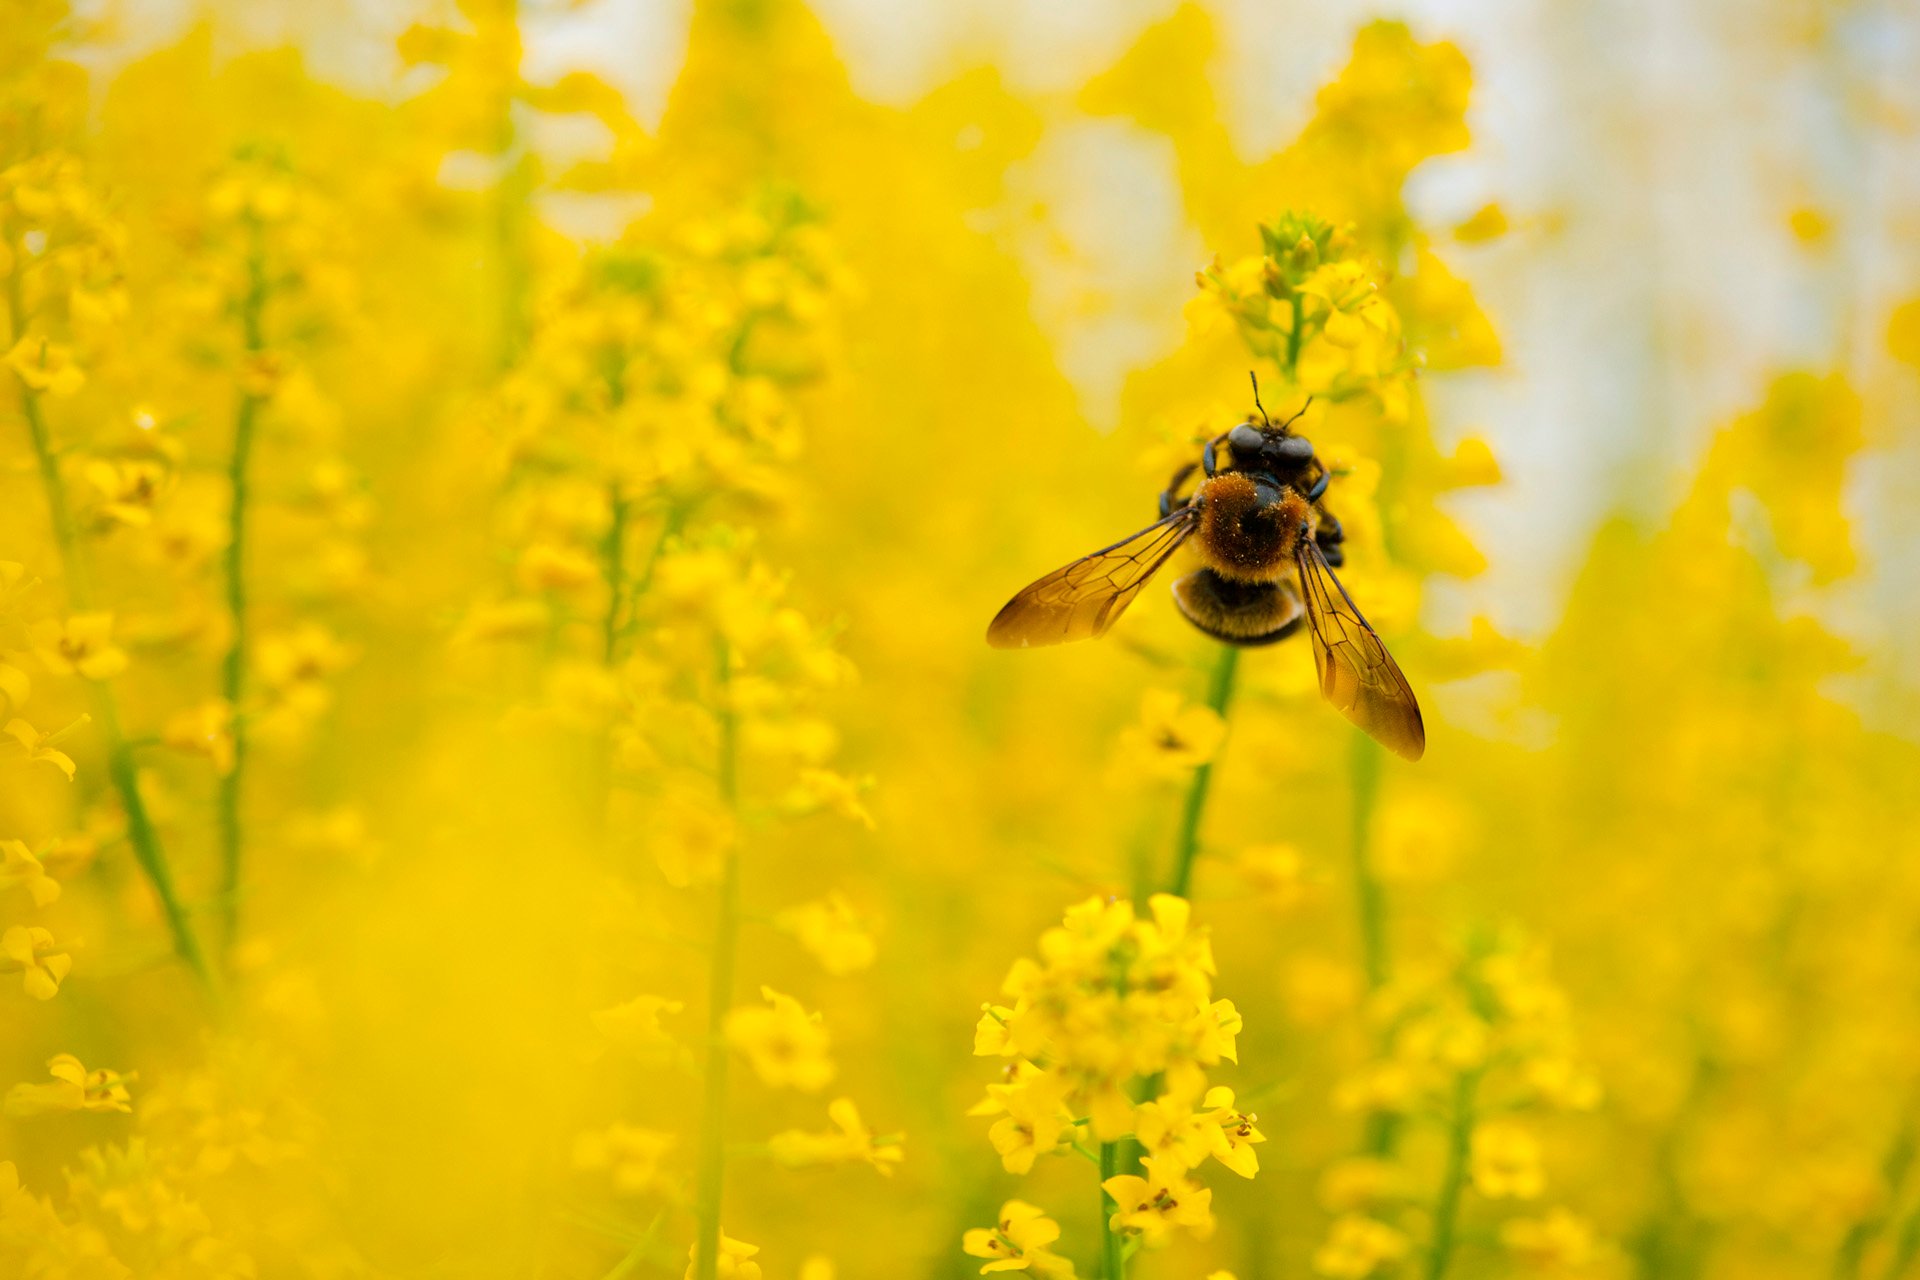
[(1357, 674), (1082, 600)]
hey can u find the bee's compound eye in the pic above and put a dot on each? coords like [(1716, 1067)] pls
[(1245, 438), (1294, 448)]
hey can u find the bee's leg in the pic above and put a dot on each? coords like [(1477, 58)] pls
[(1328, 536), (1167, 503), (1320, 485)]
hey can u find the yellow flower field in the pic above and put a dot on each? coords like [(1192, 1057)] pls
[(502, 769)]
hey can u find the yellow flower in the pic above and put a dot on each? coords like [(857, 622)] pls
[(1172, 737), (692, 834), (45, 367), (18, 867), (81, 645), (74, 1088), (15, 687), (1018, 1242), (1033, 1120), (1557, 1239), (831, 933), (38, 746), (1155, 1205), (786, 1045), (1174, 1131), (128, 489), (734, 1263), (850, 1143), (30, 949), (630, 1155), (824, 789), (1358, 1246), (634, 1027), (205, 729), (1505, 1161), (293, 663)]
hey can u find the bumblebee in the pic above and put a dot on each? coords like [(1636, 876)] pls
[(1267, 547)]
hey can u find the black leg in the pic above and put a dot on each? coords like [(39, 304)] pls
[(1167, 504)]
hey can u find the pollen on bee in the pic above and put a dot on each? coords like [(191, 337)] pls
[(1247, 532)]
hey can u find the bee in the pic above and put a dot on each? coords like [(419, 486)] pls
[(1267, 547)]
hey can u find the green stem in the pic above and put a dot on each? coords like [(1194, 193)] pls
[(1187, 843), (233, 668), (1370, 907), (1113, 1258), (614, 552), (713, 1111), (1446, 1210), (120, 766), (1293, 341)]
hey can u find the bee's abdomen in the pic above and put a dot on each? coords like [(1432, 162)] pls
[(1239, 612), (1248, 530)]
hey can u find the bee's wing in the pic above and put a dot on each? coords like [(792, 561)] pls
[(1082, 600), (1357, 674)]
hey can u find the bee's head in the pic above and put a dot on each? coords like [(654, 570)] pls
[(1274, 450)]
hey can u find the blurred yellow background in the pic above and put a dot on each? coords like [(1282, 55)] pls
[(501, 771)]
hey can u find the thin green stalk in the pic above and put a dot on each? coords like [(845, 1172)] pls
[(614, 551), (1293, 340), (1446, 1210), (1905, 1249), (141, 835), (1113, 1258), (233, 668), (1370, 902), (1187, 843), (713, 1110)]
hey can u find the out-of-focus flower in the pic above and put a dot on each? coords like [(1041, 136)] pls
[(73, 1088), (205, 729), (831, 932), (1172, 737), (128, 489), (31, 951), (1505, 1161), (734, 1261), (1556, 1239), (631, 1156), (634, 1027), (45, 367), (81, 645), (786, 1045), (1358, 1246), (19, 868), (849, 1142)]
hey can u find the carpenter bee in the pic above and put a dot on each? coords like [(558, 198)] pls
[(1267, 547)]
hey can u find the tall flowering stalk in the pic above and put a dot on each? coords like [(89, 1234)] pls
[(1117, 1003), (252, 205), (652, 409), (59, 255)]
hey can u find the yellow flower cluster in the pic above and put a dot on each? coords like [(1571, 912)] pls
[(1476, 1049), (1117, 1003)]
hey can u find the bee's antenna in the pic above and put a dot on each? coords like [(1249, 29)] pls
[(1296, 417), (1254, 378)]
